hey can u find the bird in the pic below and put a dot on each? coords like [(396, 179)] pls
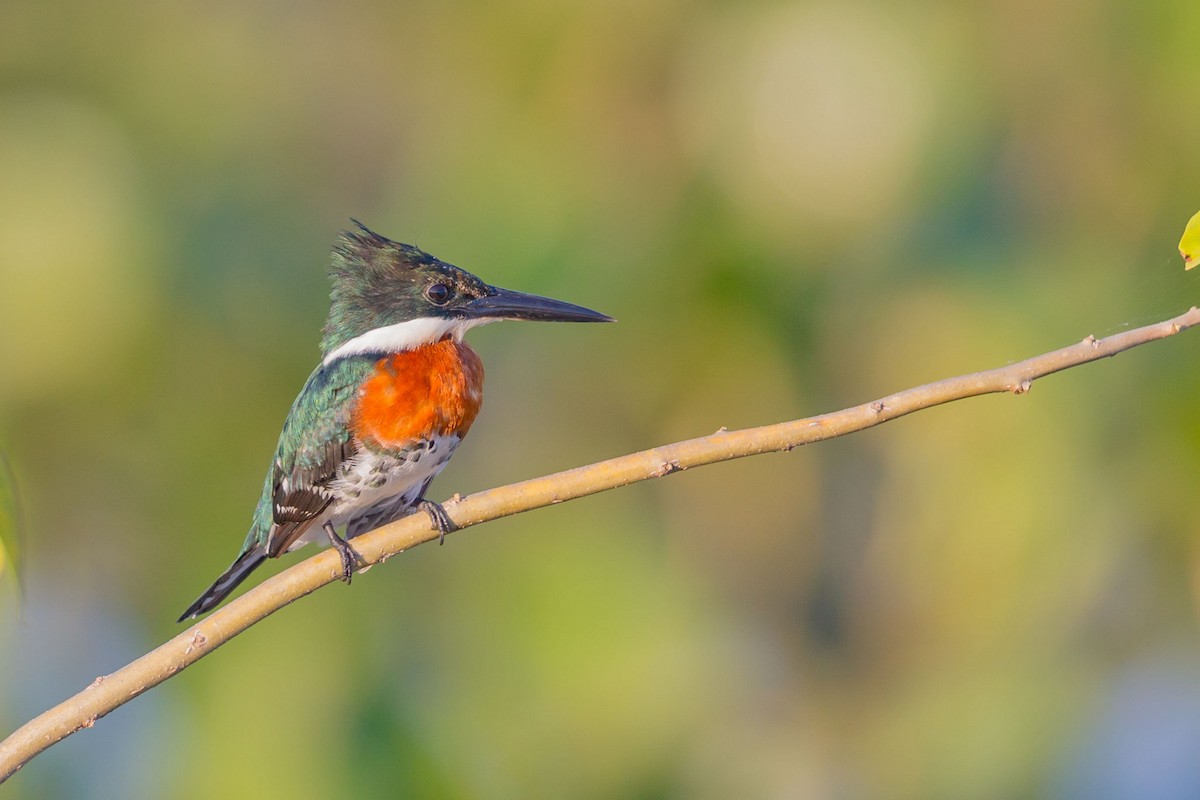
[(1189, 245), (394, 394)]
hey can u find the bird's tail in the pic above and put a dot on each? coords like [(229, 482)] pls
[(229, 580)]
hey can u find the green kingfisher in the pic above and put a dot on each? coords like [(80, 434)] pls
[(395, 393)]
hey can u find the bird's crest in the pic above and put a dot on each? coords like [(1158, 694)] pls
[(375, 282)]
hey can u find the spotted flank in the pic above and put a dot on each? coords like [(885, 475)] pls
[(375, 488)]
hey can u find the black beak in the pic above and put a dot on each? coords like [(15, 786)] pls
[(507, 304)]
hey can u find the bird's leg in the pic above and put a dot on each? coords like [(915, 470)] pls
[(441, 520), (350, 558)]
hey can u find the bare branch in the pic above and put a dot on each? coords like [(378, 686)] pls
[(110, 691)]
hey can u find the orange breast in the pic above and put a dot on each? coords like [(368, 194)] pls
[(431, 390)]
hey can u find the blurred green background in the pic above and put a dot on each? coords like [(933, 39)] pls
[(791, 208)]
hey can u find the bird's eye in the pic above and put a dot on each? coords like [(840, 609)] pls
[(439, 294)]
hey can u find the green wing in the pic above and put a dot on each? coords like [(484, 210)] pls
[(316, 439)]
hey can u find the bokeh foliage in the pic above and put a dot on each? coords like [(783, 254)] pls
[(10, 525), (791, 207)]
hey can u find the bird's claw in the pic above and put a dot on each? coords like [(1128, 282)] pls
[(350, 558), (441, 520)]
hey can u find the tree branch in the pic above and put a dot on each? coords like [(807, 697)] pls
[(110, 691)]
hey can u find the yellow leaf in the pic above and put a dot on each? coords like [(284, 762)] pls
[(1189, 245)]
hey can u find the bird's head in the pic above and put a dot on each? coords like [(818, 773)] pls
[(389, 297)]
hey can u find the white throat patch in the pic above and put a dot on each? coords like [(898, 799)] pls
[(404, 336)]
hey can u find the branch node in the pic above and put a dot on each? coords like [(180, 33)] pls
[(1092, 340), (99, 680), (198, 641), (666, 468), (720, 430), (1024, 386), (878, 407)]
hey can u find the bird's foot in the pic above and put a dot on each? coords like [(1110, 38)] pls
[(350, 558), (441, 520)]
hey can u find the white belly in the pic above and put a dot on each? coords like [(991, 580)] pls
[(374, 488)]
